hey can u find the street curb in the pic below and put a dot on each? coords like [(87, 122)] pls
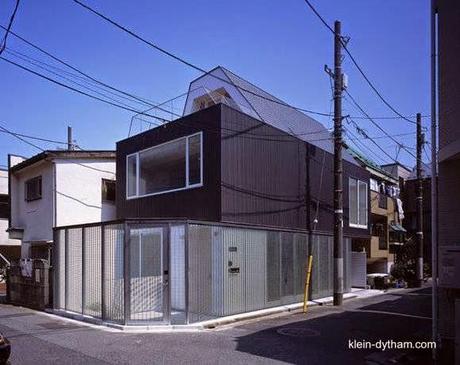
[(213, 323), (199, 326)]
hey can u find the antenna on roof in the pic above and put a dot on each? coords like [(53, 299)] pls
[(70, 144)]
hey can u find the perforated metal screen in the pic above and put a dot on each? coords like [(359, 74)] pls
[(183, 273), (113, 274), (92, 275)]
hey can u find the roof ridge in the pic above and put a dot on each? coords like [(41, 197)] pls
[(227, 71)]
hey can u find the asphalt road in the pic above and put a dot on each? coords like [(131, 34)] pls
[(319, 337)]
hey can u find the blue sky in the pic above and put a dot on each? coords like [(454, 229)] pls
[(278, 45)]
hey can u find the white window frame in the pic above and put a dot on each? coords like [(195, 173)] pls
[(187, 185), (354, 225)]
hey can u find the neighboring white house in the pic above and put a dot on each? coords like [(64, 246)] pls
[(58, 188), (9, 248)]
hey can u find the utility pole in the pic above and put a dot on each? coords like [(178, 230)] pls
[(69, 138), (419, 206), (338, 169)]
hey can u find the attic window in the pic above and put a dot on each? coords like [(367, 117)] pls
[(33, 189)]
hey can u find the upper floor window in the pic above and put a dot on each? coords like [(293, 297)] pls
[(171, 166), (33, 189), (358, 196), (108, 190)]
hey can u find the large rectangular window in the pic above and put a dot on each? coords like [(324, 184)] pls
[(171, 166), (358, 196)]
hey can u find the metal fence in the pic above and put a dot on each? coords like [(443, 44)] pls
[(176, 272)]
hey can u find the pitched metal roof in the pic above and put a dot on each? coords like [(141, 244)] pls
[(367, 162), (283, 116)]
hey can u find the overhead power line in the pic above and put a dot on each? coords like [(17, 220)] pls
[(86, 75), (82, 92), (363, 133), (350, 97), (358, 67), (8, 28), (200, 69), (143, 100), (18, 136), (3, 129), (360, 145), (188, 63), (35, 138)]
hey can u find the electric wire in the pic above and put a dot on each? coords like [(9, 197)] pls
[(191, 65), (358, 67), (86, 75), (350, 97), (35, 138), (79, 91), (17, 136), (8, 28)]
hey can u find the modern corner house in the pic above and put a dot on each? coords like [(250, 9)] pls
[(217, 213)]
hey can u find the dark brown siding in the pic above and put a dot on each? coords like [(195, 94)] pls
[(253, 174), (263, 173), (449, 126), (449, 78), (201, 203), (270, 177)]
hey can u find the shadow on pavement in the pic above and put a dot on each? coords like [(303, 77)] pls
[(325, 340)]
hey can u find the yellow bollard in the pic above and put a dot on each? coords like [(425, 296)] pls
[(307, 284)]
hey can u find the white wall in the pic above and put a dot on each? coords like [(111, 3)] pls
[(79, 191), (35, 217), (3, 182)]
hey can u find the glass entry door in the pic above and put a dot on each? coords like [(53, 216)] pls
[(146, 274)]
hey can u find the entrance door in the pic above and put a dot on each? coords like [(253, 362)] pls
[(146, 274)]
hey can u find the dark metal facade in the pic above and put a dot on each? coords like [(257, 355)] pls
[(198, 203), (253, 174)]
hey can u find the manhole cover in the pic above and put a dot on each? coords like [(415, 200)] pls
[(298, 332)]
